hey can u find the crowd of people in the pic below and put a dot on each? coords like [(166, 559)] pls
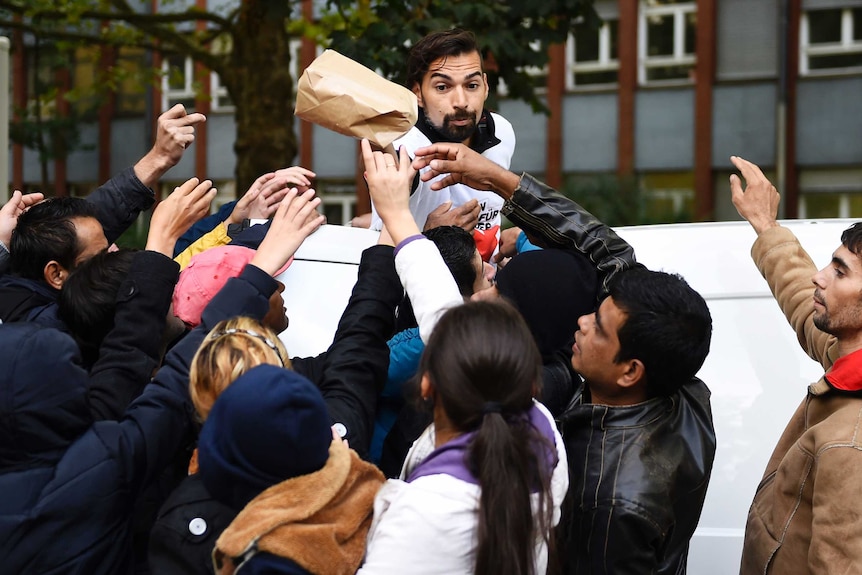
[(518, 402)]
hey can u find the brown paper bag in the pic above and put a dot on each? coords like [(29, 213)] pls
[(340, 94)]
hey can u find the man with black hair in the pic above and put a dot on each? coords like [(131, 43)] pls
[(52, 237), (805, 513), (638, 431), (445, 71)]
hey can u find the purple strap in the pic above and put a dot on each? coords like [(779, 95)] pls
[(406, 241)]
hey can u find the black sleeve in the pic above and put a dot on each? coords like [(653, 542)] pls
[(561, 223), (132, 350), (355, 365), (119, 201)]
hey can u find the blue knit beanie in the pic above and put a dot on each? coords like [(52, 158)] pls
[(269, 425)]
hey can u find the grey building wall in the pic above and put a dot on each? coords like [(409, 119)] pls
[(743, 123), (812, 4), (335, 156), (127, 142), (221, 160), (83, 165), (829, 121), (747, 39), (664, 129), (530, 131), (33, 168), (590, 123)]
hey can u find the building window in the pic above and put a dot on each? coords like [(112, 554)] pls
[(667, 41), (128, 71), (178, 74), (221, 100), (831, 41), (338, 201), (593, 55), (830, 193), (538, 75), (295, 47), (820, 205)]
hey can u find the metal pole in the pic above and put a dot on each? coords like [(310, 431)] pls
[(781, 104), (4, 119)]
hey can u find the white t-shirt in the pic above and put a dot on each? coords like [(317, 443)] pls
[(424, 200)]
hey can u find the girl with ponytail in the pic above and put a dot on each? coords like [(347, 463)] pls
[(481, 489)]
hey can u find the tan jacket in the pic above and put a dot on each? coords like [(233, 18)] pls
[(319, 520), (807, 510)]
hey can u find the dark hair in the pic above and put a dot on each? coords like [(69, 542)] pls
[(436, 45), (458, 250), (668, 327), (47, 232), (482, 353), (88, 299), (852, 238)]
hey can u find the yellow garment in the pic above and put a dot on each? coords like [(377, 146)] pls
[(319, 520), (217, 237)]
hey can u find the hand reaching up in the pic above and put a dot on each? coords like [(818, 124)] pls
[(10, 211), (389, 186), (177, 213), (296, 219)]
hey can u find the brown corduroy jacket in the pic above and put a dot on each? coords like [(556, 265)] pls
[(807, 509)]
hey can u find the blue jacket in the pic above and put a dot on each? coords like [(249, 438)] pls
[(118, 203), (69, 484)]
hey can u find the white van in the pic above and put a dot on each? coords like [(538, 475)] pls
[(756, 370)]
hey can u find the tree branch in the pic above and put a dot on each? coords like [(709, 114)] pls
[(131, 16), (81, 37)]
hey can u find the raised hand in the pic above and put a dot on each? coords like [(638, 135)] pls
[(298, 176), (177, 213), (459, 164), (175, 132), (464, 216), (758, 203), (508, 246), (295, 220), (389, 187), (10, 211)]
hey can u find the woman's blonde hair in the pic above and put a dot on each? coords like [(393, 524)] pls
[(233, 347)]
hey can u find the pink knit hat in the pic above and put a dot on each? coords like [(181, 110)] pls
[(205, 275)]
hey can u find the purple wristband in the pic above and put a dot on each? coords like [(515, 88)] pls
[(406, 241)]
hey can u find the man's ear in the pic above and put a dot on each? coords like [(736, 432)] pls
[(487, 86), (417, 89), (55, 274), (634, 374)]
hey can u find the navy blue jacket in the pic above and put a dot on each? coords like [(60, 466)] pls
[(69, 484), (118, 203)]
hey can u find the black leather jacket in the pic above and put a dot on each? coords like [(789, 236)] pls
[(637, 474)]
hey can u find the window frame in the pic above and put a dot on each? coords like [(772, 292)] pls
[(217, 93), (679, 57), (845, 45), (604, 64), (171, 96)]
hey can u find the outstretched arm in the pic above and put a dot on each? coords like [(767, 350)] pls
[(174, 133), (556, 220), (781, 260), (424, 275)]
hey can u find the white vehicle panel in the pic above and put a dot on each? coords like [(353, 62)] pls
[(756, 370)]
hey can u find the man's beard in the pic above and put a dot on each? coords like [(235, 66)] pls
[(452, 133), (821, 322)]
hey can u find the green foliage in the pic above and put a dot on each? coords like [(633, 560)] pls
[(516, 34), (619, 201)]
